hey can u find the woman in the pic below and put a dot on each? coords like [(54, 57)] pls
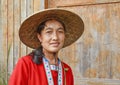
[(47, 32)]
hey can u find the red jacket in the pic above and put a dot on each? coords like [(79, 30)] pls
[(26, 72)]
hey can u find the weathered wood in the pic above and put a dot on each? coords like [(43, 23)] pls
[(94, 58), (23, 16), (4, 29), (72, 3), (12, 14), (93, 81), (10, 37), (16, 14), (96, 54), (46, 4), (29, 11), (36, 5), (42, 4)]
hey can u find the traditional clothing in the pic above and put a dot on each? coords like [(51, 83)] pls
[(26, 72)]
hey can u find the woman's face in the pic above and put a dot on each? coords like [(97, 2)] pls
[(52, 36)]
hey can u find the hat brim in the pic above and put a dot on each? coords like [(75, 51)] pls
[(73, 24)]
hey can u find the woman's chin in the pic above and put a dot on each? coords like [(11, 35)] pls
[(54, 49)]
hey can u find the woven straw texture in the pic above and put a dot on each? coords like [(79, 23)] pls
[(73, 24)]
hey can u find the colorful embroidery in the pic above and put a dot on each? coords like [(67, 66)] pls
[(49, 74)]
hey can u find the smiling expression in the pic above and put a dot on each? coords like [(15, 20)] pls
[(52, 36)]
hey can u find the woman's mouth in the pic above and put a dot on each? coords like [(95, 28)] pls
[(55, 44)]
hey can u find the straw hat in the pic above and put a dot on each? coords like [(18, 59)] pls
[(73, 24)]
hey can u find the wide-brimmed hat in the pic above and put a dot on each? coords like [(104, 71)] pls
[(73, 24)]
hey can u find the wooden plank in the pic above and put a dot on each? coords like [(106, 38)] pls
[(72, 3), (22, 18), (42, 4), (1, 33), (46, 4), (104, 56), (16, 13), (78, 71), (36, 5), (30, 7), (67, 55), (114, 17), (29, 11), (52, 3), (4, 29), (1, 42), (10, 37), (96, 81)]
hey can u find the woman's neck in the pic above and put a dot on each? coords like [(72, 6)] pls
[(51, 57)]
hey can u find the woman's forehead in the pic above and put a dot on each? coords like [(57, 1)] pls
[(53, 21), (53, 24)]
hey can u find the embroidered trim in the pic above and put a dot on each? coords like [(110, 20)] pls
[(54, 67), (49, 74)]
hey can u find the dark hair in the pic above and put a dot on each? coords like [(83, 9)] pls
[(37, 54)]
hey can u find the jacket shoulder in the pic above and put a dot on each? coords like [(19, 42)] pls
[(66, 67)]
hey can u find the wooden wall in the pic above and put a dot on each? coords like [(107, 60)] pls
[(12, 14), (95, 57)]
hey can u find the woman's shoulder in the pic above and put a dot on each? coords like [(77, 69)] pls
[(27, 59), (66, 66)]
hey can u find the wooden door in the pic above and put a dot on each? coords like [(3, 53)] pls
[(95, 57)]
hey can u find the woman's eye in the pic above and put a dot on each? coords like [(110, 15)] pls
[(61, 31), (48, 31)]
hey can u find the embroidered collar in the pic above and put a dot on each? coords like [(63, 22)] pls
[(54, 67), (49, 74)]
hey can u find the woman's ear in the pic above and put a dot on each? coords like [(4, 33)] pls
[(39, 37)]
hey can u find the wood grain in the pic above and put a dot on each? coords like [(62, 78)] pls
[(10, 37), (72, 3), (4, 39), (94, 58), (12, 14), (29, 11)]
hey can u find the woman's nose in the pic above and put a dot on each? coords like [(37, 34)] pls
[(55, 36)]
